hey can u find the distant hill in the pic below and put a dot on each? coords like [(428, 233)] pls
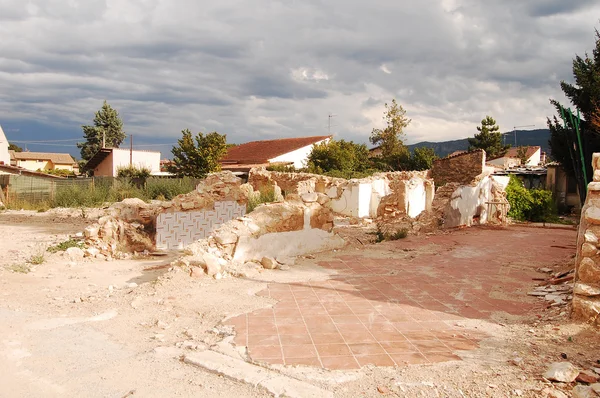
[(537, 137)]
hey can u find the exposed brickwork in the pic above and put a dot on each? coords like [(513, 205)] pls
[(461, 168)]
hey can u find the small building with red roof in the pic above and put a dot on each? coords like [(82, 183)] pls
[(287, 151)]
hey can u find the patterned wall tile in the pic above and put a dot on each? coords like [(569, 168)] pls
[(179, 229)]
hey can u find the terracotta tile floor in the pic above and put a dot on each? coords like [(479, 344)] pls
[(402, 309)]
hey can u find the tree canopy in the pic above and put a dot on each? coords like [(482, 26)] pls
[(14, 147), (422, 158), (584, 95), (391, 139), (339, 158), (489, 138), (196, 156), (107, 125)]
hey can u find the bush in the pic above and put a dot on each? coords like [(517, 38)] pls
[(267, 195), (282, 168), (133, 172), (535, 205), (167, 189)]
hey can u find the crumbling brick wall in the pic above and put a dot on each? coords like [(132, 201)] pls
[(586, 291), (462, 168)]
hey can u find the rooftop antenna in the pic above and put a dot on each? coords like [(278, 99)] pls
[(515, 130), (329, 122)]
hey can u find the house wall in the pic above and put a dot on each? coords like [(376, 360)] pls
[(505, 162), (68, 167), (35, 165), (535, 159), (4, 155), (299, 156), (469, 203), (460, 168), (120, 158)]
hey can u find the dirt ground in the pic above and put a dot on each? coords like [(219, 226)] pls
[(119, 328)]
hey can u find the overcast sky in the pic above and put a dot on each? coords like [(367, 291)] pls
[(266, 69)]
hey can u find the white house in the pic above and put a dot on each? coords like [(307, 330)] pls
[(292, 151), (108, 161), (533, 156), (4, 154)]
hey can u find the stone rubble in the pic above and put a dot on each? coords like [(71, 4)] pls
[(563, 372)]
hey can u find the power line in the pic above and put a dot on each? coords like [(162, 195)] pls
[(44, 141)]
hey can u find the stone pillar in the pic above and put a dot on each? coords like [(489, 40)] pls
[(586, 291)]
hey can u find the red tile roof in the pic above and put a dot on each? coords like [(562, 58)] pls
[(262, 151), (513, 152)]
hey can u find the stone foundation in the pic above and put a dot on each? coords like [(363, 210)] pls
[(586, 290)]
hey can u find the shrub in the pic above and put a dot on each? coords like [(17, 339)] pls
[(267, 195), (133, 172), (282, 168), (535, 205), (167, 188)]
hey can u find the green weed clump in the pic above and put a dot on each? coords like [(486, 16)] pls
[(267, 195), (61, 247)]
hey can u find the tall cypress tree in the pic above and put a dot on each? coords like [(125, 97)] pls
[(584, 95), (107, 123)]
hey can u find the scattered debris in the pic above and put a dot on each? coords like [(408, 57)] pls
[(563, 372)]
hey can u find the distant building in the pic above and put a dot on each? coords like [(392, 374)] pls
[(291, 151), (43, 161), (107, 161), (533, 157), (4, 155)]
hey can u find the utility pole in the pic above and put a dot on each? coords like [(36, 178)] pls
[(103, 139), (515, 130), (131, 150), (329, 123)]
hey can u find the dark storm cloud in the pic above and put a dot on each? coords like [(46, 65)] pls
[(278, 68)]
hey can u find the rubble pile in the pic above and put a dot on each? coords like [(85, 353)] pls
[(557, 290), (130, 225), (565, 374), (229, 250)]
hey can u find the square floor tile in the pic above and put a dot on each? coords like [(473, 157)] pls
[(340, 363), (333, 350), (300, 351), (376, 360)]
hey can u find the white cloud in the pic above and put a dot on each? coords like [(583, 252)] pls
[(278, 68)]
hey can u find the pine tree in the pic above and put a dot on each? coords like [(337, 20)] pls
[(107, 125), (197, 156), (489, 138)]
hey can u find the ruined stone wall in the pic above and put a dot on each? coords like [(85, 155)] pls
[(383, 195), (463, 168), (586, 291), (134, 225)]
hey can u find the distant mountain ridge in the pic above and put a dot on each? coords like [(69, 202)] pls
[(538, 137)]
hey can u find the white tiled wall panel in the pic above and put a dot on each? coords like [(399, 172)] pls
[(179, 229)]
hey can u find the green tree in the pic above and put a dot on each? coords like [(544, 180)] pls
[(394, 153), (338, 157), (13, 147), (584, 94), (197, 156), (489, 138), (522, 154), (422, 158), (107, 125)]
